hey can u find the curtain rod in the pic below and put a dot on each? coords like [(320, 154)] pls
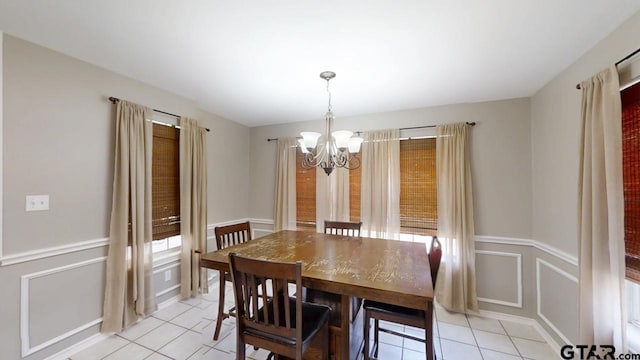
[(114, 100), (406, 128), (620, 61)]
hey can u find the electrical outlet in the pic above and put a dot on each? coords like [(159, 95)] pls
[(37, 203), (167, 275)]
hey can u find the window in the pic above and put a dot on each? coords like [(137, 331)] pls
[(631, 179), (418, 191), (305, 195), (165, 187)]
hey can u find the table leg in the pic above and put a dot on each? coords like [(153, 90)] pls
[(345, 324), (429, 330)]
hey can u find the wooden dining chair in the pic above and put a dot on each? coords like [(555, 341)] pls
[(281, 324), (227, 236), (398, 314), (334, 300), (342, 228)]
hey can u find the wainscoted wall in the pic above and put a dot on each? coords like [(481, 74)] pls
[(57, 136), (542, 277), (52, 281)]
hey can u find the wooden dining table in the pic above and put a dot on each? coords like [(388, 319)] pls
[(395, 272)]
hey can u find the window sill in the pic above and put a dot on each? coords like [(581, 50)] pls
[(166, 257)]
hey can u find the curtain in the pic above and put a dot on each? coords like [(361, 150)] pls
[(380, 192), (129, 283), (285, 199), (601, 214), (456, 286), (332, 196), (193, 207)]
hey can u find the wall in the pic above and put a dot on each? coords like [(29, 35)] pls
[(58, 139), (555, 134), (500, 158)]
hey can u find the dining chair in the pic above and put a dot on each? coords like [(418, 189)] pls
[(342, 228), (398, 314), (227, 236), (334, 300), (281, 324)]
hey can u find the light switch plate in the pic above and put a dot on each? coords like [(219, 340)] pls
[(37, 202)]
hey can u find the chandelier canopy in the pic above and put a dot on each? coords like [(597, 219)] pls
[(333, 149)]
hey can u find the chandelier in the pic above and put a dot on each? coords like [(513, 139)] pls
[(333, 150)]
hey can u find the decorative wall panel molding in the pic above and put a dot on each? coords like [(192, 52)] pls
[(27, 348), (518, 271)]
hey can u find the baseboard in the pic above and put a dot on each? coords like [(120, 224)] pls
[(524, 320)]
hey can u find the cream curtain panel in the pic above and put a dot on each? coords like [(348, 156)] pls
[(129, 285), (380, 192), (456, 287), (332, 196), (285, 198), (601, 211), (193, 207)]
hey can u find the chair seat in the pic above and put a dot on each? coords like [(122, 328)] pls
[(313, 316), (394, 310)]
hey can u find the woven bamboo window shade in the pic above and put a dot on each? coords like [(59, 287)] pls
[(355, 184), (305, 193), (631, 176), (165, 185), (418, 186)]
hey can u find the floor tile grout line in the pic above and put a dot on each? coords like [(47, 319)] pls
[(474, 336), (511, 339)]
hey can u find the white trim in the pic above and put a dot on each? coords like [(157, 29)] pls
[(52, 251), (167, 290), (166, 258), (571, 259), (96, 338), (518, 257), (523, 320), (1, 137), (538, 298), (262, 221), (24, 308), (159, 269)]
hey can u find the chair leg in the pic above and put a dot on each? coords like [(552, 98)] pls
[(376, 330), (240, 349), (325, 341), (367, 330), (221, 314)]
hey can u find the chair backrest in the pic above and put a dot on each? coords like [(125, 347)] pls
[(342, 228), (232, 234), (435, 255), (277, 318)]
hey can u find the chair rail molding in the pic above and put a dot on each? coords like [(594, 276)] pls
[(52, 251), (562, 255), (26, 347), (1, 137)]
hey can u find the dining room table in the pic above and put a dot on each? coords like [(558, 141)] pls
[(390, 271)]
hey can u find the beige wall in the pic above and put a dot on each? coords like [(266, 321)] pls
[(555, 134), (58, 134), (500, 155)]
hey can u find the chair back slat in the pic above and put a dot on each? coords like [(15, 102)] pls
[(230, 235), (277, 312), (342, 228), (435, 256)]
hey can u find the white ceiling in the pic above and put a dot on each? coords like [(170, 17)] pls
[(257, 62)]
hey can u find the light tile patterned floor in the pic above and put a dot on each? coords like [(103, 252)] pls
[(184, 330)]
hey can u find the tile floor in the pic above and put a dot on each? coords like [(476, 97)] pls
[(184, 330)]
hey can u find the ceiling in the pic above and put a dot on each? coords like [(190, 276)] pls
[(258, 62)]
